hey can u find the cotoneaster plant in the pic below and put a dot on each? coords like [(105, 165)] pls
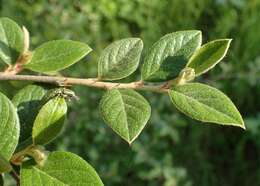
[(36, 114)]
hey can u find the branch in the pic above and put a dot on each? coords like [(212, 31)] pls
[(91, 82)]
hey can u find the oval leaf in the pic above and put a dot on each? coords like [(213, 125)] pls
[(5, 166), (9, 127), (49, 121), (11, 41), (120, 59), (28, 101), (126, 112), (206, 104), (57, 55), (60, 168), (169, 55), (209, 55)]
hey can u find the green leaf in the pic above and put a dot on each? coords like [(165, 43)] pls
[(60, 168), (49, 121), (208, 56), (11, 41), (126, 112), (57, 55), (205, 103), (120, 59), (28, 101), (9, 127), (169, 55), (4, 165)]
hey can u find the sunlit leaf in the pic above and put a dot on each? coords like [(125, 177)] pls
[(126, 112), (11, 41), (9, 127), (60, 168), (120, 59), (206, 104), (57, 55), (4, 165)]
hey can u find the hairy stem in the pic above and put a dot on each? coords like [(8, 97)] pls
[(91, 82)]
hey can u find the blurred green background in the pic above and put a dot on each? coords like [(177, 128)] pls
[(173, 150)]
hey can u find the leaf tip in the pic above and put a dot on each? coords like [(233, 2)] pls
[(87, 49), (199, 32), (129, 143), (242, 125), (138, 40), (229, 40)]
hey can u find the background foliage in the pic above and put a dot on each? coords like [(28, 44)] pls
[(172, 150)]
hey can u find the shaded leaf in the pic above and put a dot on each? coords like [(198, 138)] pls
[(57, 55), (169, 55), (4, 165), (206, 104), (60, 168), (11, 41), (9, 127), (28, 101), (120, 59), (49, 121), (126, 112), (208, 56)]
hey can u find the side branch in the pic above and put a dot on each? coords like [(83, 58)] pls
[(91, 82)]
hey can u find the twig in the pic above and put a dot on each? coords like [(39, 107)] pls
[(91, 82)]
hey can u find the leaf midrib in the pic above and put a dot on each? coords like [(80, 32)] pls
[(115, 65), (124, 110), (210, 56), (45, 173), (51, 58), (48, 121), (205, 105)]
